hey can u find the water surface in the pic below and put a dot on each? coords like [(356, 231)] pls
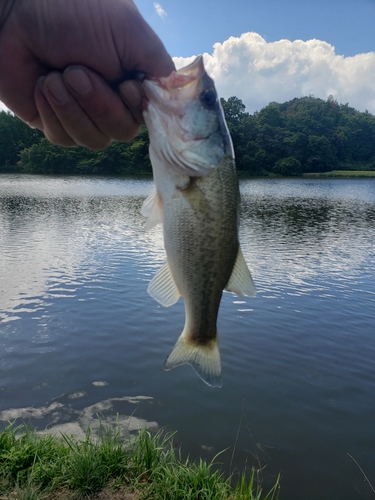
[(79, 335)]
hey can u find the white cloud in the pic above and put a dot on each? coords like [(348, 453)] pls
[(159, 10), (259, 72)]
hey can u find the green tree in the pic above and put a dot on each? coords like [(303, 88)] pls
[(118, 159), (320, 155), (302, 135), (234, 110), (288, 166), (46, 158), (15, 135), (136, 159)]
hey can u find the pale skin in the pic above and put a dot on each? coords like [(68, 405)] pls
[(67, 67)]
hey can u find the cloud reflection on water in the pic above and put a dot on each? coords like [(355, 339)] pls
[(301, 240), (62, 417), (55, 240)]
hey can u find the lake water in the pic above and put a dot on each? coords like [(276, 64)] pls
[(79, 335)]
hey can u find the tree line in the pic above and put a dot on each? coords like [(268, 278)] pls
[(303, 135)]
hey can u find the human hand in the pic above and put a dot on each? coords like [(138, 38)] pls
[(61, 63)]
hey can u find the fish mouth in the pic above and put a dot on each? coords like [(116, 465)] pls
[(180, 78), (175, 90)]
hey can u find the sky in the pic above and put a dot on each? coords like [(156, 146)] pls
[(274, 50)]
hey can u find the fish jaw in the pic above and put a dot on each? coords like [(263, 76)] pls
[(185, 120)]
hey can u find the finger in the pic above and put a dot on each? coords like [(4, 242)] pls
[(132, 94), (103, 105), (47, 120), (73, 119)]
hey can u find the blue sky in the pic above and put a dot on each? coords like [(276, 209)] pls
[(193, 26), (274, 50)]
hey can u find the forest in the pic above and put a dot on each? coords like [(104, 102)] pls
[(300, 136)]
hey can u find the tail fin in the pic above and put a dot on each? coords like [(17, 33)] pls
[(204, 359)]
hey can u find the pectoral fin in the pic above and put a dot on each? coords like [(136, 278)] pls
[(196, 163), (163, 288), (241, 282), (152, 208)]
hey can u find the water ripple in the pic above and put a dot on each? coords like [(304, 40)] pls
[(75, 318)]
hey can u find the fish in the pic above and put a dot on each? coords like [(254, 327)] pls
[(197, 201)]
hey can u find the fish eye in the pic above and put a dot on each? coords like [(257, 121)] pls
[(208, 99)]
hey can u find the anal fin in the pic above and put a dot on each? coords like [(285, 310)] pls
[(241, 282)]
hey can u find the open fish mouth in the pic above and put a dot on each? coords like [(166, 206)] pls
[(181, 77)]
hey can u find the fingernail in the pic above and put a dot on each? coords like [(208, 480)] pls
[(78, 79), (56, 87)]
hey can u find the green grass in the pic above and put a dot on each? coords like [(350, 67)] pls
[(40, 466), (343, 173)]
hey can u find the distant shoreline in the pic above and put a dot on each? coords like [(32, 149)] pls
[(341, 174)]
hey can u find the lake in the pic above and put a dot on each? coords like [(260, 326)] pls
[(80, 336)]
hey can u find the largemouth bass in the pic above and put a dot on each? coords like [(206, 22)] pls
[(197, 201)]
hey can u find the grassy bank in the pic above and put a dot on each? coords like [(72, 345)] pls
[(343, 173), (42, 466)]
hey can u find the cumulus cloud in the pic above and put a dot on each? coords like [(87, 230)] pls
[(259, 72), (3, 107), (159, 10)]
